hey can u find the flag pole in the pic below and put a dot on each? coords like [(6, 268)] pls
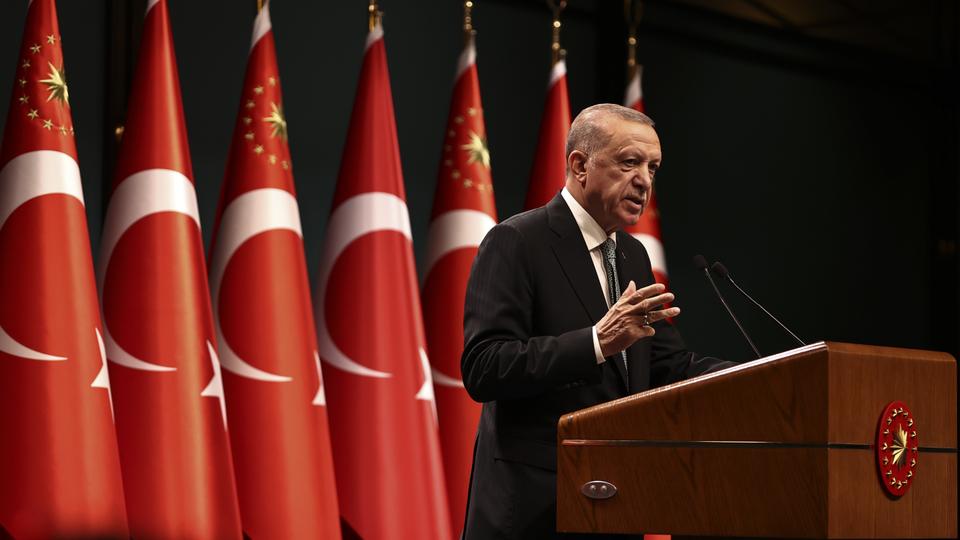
[(259, 6), (633, 10), (468, 31), (376, 15), (557, 52)]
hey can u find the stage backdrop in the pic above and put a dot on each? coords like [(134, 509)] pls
[(823, 176)]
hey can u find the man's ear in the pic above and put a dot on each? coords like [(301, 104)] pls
[(577, 163)]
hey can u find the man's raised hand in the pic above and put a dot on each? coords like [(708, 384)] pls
[(630, 318)]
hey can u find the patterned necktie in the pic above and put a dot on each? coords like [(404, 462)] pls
[(609, 249)]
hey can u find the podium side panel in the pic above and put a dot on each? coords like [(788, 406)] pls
[(864, 379), (860, 507), (747, 492)]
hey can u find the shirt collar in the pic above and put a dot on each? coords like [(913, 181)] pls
[(593, 234)]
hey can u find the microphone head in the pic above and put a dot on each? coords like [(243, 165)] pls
[(720, 269), (700, 262)]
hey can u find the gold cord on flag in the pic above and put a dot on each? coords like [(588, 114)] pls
[(468, 30), (375, 15), (633, 11), (556, 50)]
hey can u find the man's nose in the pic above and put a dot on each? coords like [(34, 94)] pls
[(643, 178)]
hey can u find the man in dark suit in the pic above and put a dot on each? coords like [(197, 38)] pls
[(548, 330)]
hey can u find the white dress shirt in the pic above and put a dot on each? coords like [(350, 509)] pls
[(594, 236)]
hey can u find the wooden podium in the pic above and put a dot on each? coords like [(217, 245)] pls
[(779, 447)]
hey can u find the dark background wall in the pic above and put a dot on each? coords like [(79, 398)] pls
[(822, 170)]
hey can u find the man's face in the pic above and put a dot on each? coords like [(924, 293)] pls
[(618, 179)]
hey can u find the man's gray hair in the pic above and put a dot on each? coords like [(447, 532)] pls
[(588, 134)]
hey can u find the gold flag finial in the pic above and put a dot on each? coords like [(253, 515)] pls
[(375, 15), (468, 30), (632, 10), (556, 50)]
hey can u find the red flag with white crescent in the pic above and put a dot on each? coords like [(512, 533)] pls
[(463, 212), (550, 160), (383, 419), (264, 322), (158, 328), (59, 466), (647, 228)]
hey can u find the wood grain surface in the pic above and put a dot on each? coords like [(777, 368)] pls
[(778, 447)]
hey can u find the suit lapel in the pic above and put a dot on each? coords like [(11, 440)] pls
[(571, 252)]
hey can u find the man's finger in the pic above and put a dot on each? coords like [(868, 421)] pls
[(662, 314), (646, 292), (648, 304)]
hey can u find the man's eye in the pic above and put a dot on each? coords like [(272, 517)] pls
[(630, 163)]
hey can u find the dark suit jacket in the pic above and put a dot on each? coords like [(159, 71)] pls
[(532, 300)]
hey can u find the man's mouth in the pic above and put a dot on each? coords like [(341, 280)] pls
[(635, 199)]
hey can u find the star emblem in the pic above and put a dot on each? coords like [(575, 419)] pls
[(34, 48), (56, 82), (25, 64), (24, 98), (248, 136), (477, 151), (51, 39), (23, 82), (258, 149), (258, 90), (247, 120), (278, 124), (899, 446), (250, 104), (48, 124), (32, 114), (272, 81)]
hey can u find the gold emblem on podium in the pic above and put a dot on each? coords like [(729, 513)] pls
[(897, 444)]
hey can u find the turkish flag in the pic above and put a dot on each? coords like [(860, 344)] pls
[(463, 212), (383, 419), (167, 390), (647, 228), (550, 161), (59, 467), (264, 322)]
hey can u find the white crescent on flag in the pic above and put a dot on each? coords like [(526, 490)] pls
[(142, 194), (24, 178), (450, 231), (358, 216), (248, 215)]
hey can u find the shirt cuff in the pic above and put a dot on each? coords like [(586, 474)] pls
[(596, 347)]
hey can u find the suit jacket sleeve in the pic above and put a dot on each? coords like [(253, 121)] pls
[(501, 359)]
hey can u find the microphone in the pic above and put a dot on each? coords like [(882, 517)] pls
[(722, 271), (701, 264)]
